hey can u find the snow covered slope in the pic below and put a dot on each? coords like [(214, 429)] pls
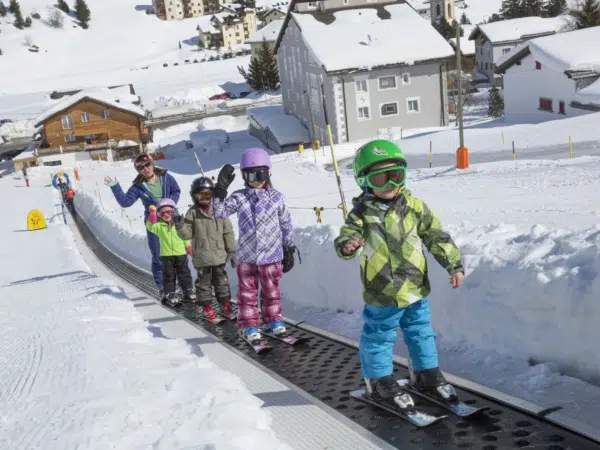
[(81, 369)]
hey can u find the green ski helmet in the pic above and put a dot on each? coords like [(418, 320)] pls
[(375, 152)]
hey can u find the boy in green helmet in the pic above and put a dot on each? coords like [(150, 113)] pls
[(392, 227)]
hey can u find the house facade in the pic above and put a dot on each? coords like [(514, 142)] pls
[(183, 9), (87, 122), (268, 33), (271, 14), (495, 40), (360, 97), (231, 26), (434, 10), (553, 77)]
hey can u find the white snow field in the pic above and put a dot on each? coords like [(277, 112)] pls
[(523, 323), (80, 368)]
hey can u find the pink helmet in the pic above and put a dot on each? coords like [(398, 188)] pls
[(165, 203), (255, 157)]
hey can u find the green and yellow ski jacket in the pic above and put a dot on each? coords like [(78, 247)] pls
[(170, 243), (393, 267)]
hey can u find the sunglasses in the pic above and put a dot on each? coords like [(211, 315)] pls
[(259, 175), (142, 166), (382, 178)]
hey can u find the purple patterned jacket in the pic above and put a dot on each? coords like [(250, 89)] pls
[(264, 222)]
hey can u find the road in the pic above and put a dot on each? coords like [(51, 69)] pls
[(421, 161)]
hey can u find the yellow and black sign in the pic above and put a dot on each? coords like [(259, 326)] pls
[(36, 220)]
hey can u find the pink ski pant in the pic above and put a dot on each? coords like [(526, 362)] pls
[(249, 276)]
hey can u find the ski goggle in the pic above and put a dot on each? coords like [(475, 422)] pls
[(165, 211), (143, 165), (203, 195), (383, 178), (261, 174)]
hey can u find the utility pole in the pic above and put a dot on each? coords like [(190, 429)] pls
[(462, 154)]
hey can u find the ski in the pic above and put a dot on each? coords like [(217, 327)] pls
[(259, 348), (417, 418), (216, 321), (231, 316), (461, 409), (290, 340)]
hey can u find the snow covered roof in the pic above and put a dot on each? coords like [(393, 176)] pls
[(287, 129), (95, 95), (362, 39), (575, 51), (467, 47), (270, 33), (521, 28), (590, 94)]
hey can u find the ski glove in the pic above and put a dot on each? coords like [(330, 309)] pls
[(152, 218), (177, 219), (232, 260), (288, 258), (224, 179)]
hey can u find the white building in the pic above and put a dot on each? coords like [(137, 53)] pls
[(496, 39), (552, 77)]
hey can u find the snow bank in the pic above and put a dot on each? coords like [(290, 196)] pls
[(17, 129), (210, 140)]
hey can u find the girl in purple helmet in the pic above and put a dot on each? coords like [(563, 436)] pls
[(265, 246)]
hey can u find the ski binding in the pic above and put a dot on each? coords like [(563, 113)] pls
[(416, 417), (216, 321), (290, 340), (259, 347), (459, 408)]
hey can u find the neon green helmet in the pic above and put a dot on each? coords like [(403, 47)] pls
[(375, 152)]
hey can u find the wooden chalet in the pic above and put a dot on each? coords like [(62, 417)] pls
[(91, 121)]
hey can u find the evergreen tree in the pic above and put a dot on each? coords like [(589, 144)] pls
[(532, 8), (555, 8), (464, 20), (445, 29), (19, 22), (495, 18), (63, 6), (28, 22), (13, 5), (495, 103), (82, 12), (587, 15), (262, 74), (511, 9), (3, 10)]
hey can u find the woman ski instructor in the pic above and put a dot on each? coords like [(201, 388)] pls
[(151, 186)]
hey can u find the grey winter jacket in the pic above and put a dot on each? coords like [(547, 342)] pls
[(212, 239)]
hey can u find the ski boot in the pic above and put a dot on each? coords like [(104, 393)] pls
[(227, 310), (190, 295), (432, 382), (161, 295), (172, 299), (386, 390), (252, 334), (277, 327), (209, 313)]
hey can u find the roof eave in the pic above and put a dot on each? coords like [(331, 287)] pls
[(585, 106), (580, 74), (387, 66), (518, 56)]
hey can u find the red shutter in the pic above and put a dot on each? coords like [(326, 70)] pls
[(538, 65), (561, 107)]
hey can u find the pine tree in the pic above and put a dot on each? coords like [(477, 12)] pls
[(3, 10), (82, 12), (262, 74), (495, 103), (445, 29), (13, 5), (464, 20), (63, 6), (555, 8), (28, 22), (588, 14), (19, 22), (511, 9), (532, 8), (495, 18)]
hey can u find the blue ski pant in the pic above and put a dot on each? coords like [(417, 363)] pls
[(157, 264), (379, 336)]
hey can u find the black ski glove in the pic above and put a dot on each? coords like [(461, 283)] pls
[(224, 179), (288, 258), (232, 260), (177, 219)]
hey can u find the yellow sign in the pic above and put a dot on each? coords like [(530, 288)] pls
[(60, 174), (35, 220)]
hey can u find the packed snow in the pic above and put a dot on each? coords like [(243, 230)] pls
[(515, 29), (527, 229), (80, 368), (268, 32), (376, 44)]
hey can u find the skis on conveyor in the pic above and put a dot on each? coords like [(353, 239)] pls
[(459, 408), (418, 418), (288, 339), (260, 348), (216, 321)]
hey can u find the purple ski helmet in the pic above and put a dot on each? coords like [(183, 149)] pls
[(165, 203), (255, 157)]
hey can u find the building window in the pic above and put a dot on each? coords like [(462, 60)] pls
[(106, 114), (389, 109), (546, 104), (406, 78), (505, 51), (561, 107), (387, 82), (449, 11), (69, 138), (85, 117), (67, 122), (438, 10), (538, 65), (363, 112), (361, 86), (413, 105)]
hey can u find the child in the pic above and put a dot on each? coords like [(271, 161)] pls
[(392, 226), (173, 252), (214, 244), (265, 248)]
